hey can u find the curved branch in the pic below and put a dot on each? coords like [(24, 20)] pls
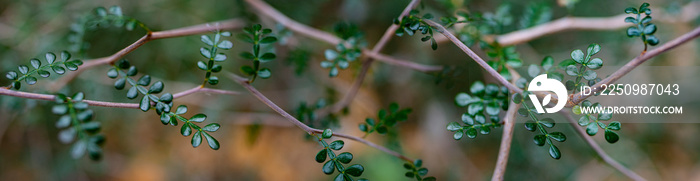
[(473, 55), (310, 32), (309, 130), (205, 90), (184, 31), (629, 173)]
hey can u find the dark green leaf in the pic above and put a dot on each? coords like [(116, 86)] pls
[(329, 167), (132, 71), (492, 108), (611, 136), (453, 126), (196, 139), (578, 56), (198, 118), (652, 40), (211, 127), (337, 145), (615, 125), (132, 93), (633, 31), (547, 122), (321, 156), (269, 39), (533, 70), (463, 99), (205, 52), (216, 68), (327, 134), (589, 75), (466, 119), (631, 10), (23, 69), (650, 29), (558, 136), (264, 73), (12, 75), (471, 133), (593, 49), (477, 88), (35, 63), (554, 152), (539, 140), (43, 73), (78, 149), (167, 98), (344, 157), (144, 80), (213, 143), (50, 57), (156, 88), (268, 56), (458, 135), (58, 69), (145, 104), (595, 63), (592, 129), (355, 170), (30, 80)]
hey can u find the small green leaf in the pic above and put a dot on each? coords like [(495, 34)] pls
[(202, 65), (156, 88), (145, 104), (182, 109), (330, 54), (554, 152), (547, 63), (264, 73), (219, 57), (65, 56), (23, 69), (344, 157), (633, 31), (225, 45), (539, 140), (533, 70), (650, 29), (58, 69), (615, 125), (547, 122), (30, 80), (473, 109), (50, 57), (453, 126), (652, 40), (611, 136), (269, 39), (492, 108), (592, 129), (63, 122), (78, 149), (463, 99), (593, 49), (132, 71), (589, 75), (43, 73), (59, 109), (144, 80), (467, 119), (558, 136), (337, 145), (333, 72), (205, 52), (35, 63), (578, 56), (471, 133), (595, 63), (196, 139), (268, 57), (321, 156), (211, 127), (207, 40), (327, 133), (355, 170), (329, 167), (213, 143), (477, 88), (115, 10), (167, 98), (12, 75), (458, 135), (198, 118), (631, 10), (132, 93)]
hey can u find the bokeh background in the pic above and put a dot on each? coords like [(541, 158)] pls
[(257, 144)]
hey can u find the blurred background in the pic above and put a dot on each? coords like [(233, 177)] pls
[(258, 144)]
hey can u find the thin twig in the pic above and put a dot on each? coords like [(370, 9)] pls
[(507, 138), (473, 55), (366, 64), (688, 13), (301, 29), (629, 173), (311, 131), (578, 98), (49, 97), (184, 31)]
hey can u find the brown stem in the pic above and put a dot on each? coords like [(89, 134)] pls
[(311, 131)]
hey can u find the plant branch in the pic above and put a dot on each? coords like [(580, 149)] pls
[(366, 64), (309, 130), (578, 98), (310, 32), (50, 97), (688, 13), (507, 138), (629, 173), (184, 31), (473, 55)]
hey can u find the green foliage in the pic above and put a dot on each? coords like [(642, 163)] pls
[(582, 67), (342, 55), (547, 65), (535, 14), (483, 24), (336, 162), (534, 123), (413, 23), (485, 100), (76, 122), (257, 36), (100, 17), (642, 27), (211, 54), (387, 118), (503, 56), (123, 71), (57, 66), (415, 170), (592, 122)]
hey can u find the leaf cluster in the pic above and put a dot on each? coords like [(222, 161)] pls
[(642, 27), (100, 17), (385, 119), (76, 122), (213, 56), (341, 57), (503, 56), (57, 66), (592, 122), (417, 171), (413, 23), (535, 123), (485, 100), (336, 162), (582, 67), (257, 36)]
